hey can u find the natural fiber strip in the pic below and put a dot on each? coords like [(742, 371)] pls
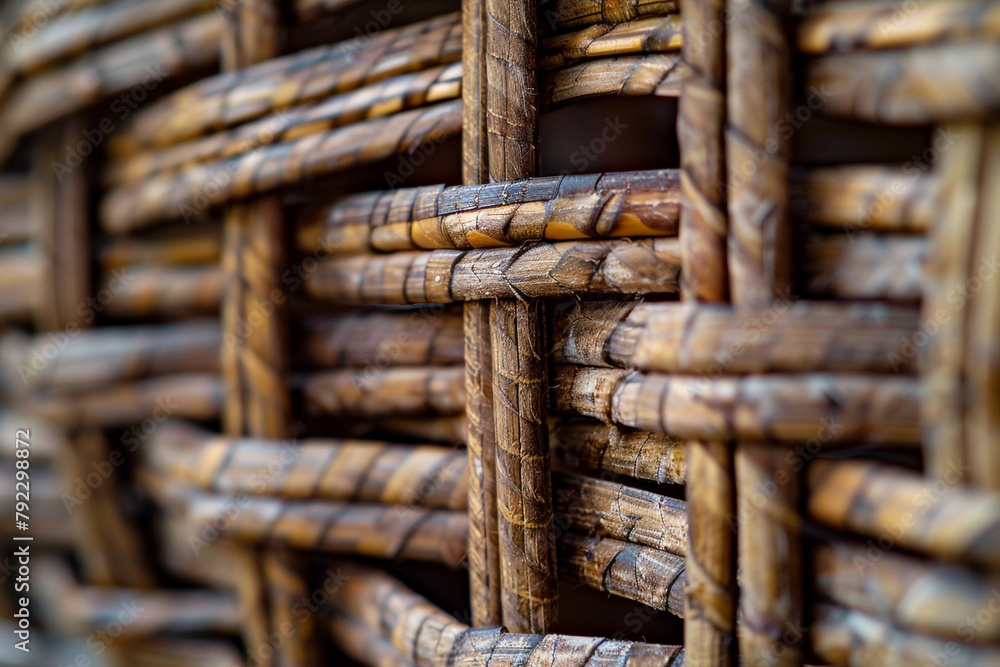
[(373, 531), (21, 273), (96, 358), (145, 60), (574, 14), (915, 595), (237, 97), (376, 100), (500, 214), (484, 550), (95, 609), (864, 267), (531, 271), (644, 574), (931, 84), (200, 245), (146, 291), (72, 34), (195, 396), (378, 339), (650, 35), (356, 470), (860, 198), (404, 391), (189, 192), (428, 637), (595, 446), (838, 27), (817, 408), (847, 636), (712, 338), (656, 75), (609, 509), (525, 520), (944, 521)]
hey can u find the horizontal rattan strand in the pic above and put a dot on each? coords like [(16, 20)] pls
[(144, 60), (201, 245), (657, 75), (75, 33), (383, 98), (644, 574), (847, 637), (431, 638), (78, 609), (596, 446), (558, 15), (864, 266), (190, 192), (866, 197), (947, 522), (96, 358), (649, 35), (196, 396), (418, 391), (915, 595), (363, 471), (936, 83), (237, 97), (815, 408), (838, 27), (534, 270), (705, 338), (19, 17), (644, 203), (379, 339), (371, 530), (149, 291), (610, 509)]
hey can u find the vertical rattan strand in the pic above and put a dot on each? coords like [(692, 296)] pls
[(948, 264), (60, 203), (982, 361), (524, 495), (710, 594), (484, 557), (767, 485), (255, 346)]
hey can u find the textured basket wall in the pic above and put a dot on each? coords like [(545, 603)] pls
[(320, 366)]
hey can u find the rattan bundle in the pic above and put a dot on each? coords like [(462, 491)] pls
[(321, 360)]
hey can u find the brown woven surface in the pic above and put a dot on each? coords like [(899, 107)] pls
[(576, 332)]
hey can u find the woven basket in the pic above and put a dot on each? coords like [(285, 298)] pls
[(321, 360)]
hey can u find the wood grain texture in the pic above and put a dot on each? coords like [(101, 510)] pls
[(402, 392), (650, 35), (656, 75), (558, 15)]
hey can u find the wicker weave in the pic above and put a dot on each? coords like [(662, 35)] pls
[(318, 365)]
